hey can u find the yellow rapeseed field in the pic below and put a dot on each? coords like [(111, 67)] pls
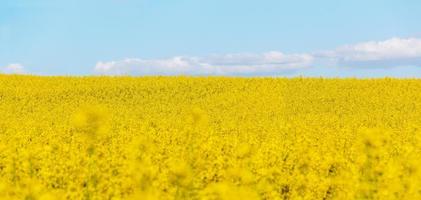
[(209, 138)]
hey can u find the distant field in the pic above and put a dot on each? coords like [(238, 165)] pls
[(209, 138)]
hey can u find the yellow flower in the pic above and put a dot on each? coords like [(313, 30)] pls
[(209, 138)]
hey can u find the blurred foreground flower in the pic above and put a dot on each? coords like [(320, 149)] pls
[(93, 121)]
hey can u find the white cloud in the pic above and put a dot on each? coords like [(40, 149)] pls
[(145, 66), (14, 68), (229, 64), (392, 52)]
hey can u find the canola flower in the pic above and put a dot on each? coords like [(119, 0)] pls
[(209, 138)]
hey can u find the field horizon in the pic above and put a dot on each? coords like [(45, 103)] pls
[(209, 76), (210, 100)]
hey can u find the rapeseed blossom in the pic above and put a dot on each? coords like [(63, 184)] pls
[(209, 138)]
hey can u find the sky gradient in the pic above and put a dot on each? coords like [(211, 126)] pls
[(211, 37)]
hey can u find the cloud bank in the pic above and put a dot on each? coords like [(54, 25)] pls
[(14, 68), (394, 52), (229, 64), (389, 53)]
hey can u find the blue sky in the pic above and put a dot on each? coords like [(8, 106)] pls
[(211, 37)]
